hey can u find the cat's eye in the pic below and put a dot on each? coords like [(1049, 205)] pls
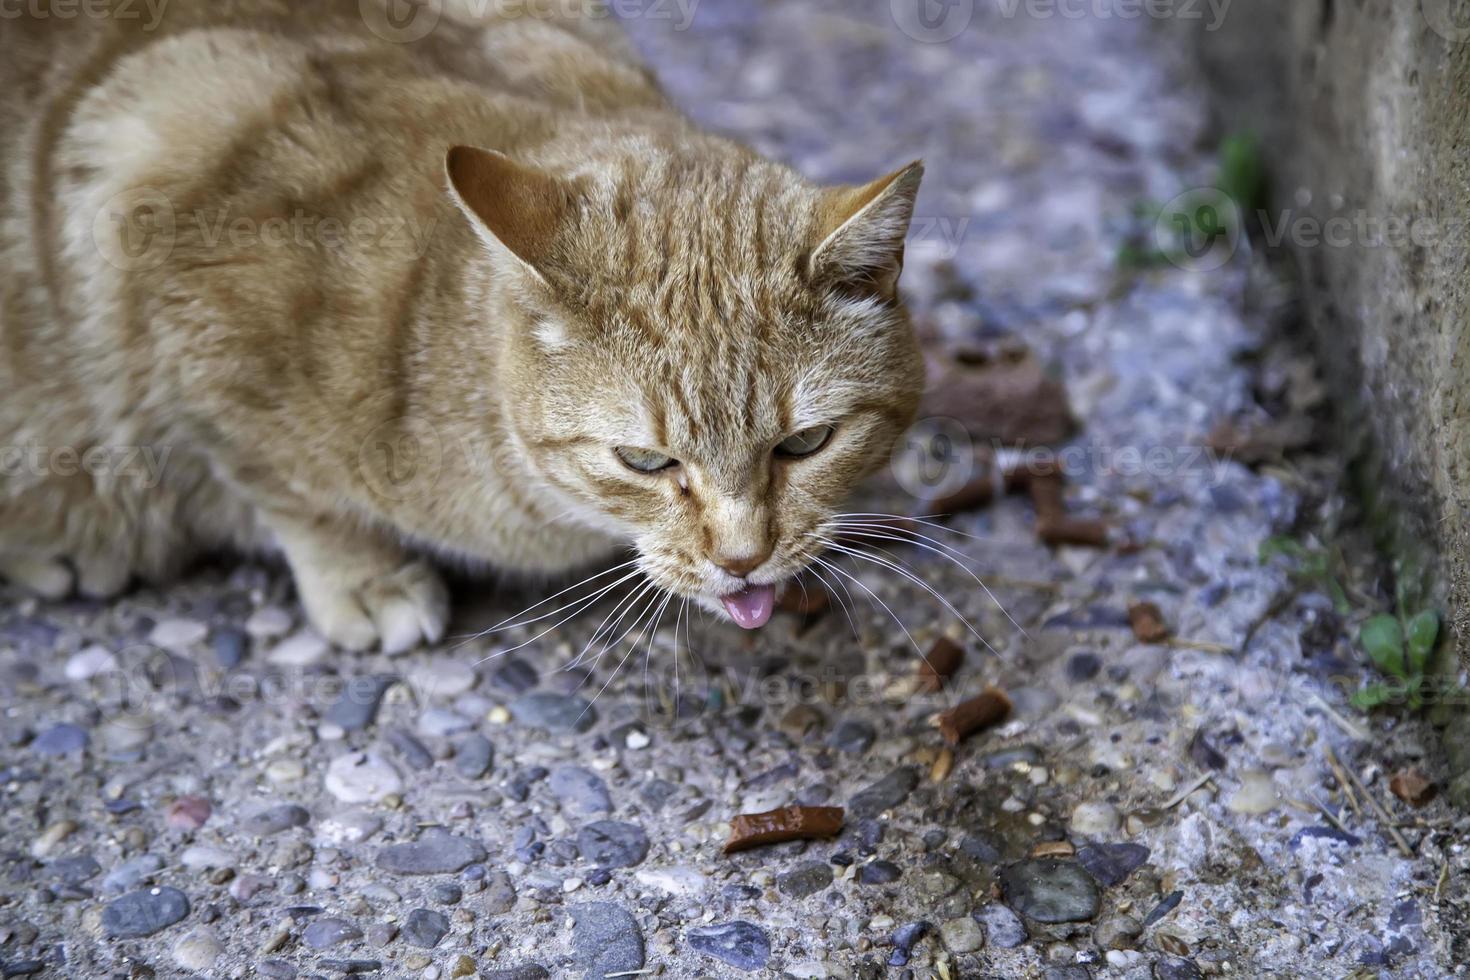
[(644, 460), (805, 442)]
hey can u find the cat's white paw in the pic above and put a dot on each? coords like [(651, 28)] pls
[(396, 610), (48, 578)]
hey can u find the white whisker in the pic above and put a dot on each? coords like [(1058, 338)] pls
[(950, 554)]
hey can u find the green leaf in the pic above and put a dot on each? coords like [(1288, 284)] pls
[(1279, 544), (1372, 696), (1422, 631), (1383, 640), (1240, 171)]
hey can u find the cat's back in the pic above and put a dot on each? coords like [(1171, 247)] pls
[(247, 108)]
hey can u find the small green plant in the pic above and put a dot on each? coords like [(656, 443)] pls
[(1310, 567), (1401, 651)]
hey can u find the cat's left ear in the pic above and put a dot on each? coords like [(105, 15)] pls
[(861, 232), (518, 211)]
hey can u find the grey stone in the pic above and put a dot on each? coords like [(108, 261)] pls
[(473, 756), (75, 870), (1050, 890), (62, 739), (805, 879), (1111, 864), (612, 844), (436, 852), (515, 675), (962, 935), (425, 928), (1116, 932), (853, 736), (229, 644), (554, 712), (581, 791), (879, 872), (275, 819), (885, 794), (326, 933), (530, 971), (410, 750), (743, 945), (605, 939), (356, 706), (144, 912), (1003, 928), (130, 873), (499, 895)]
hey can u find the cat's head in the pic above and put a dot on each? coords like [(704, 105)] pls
[(707, 352)]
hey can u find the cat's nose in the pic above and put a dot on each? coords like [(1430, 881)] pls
[(741, 565)]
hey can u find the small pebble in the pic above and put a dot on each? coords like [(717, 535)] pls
[(425, 928), (362, 777), (177, 634), (197, 950), (187, 813)]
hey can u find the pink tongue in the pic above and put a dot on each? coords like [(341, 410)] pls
[(751, 608)]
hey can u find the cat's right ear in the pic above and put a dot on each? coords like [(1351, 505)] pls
[(518, 211)]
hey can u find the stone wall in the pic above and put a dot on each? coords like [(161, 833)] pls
[(1362, 110)]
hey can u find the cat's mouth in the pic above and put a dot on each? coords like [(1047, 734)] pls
[(752, 606)]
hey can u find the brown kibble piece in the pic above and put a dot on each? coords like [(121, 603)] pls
[(1413, 787), (989, 707), (1053, 848), (1054, 526), (1147, 622), (939, 665), (749, 830), (1009, 399)]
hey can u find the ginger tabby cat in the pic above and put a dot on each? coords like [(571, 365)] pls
[(281, 278)]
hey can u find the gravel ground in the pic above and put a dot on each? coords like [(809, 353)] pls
[(196, 785)]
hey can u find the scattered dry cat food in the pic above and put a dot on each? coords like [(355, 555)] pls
[(749, 830), (1054, 526), (940, 663), (1147, 622), (1413, 787), (1002, 394), (989, 707)]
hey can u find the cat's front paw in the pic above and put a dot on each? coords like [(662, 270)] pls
[(396, 610)]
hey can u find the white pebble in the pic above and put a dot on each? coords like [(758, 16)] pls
[(88, 663), (268, 622), (1095, 819), (298, 650), (441, 680), (637, 740), (1257, 794), (200, 857), (362, 777), (285, 771), (178, 634), (676, 880)]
